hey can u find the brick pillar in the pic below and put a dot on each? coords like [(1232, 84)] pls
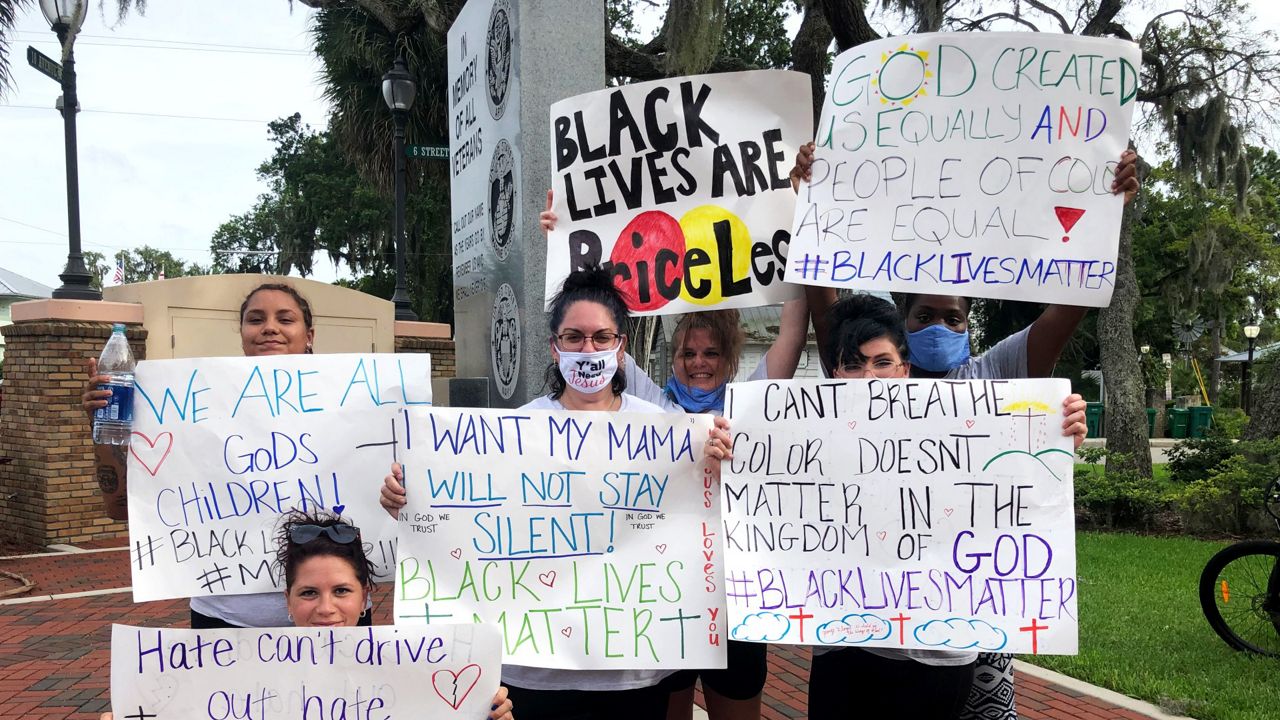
[(434, 338), (48, 492)]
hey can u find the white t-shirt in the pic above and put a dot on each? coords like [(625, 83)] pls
[(256, 610), (536, 678)]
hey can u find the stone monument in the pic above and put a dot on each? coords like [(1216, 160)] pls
[(508, 61)]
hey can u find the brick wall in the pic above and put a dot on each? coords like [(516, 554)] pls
[(443, 353), (48, 493)]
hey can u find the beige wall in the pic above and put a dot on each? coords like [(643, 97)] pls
[(199, 316)]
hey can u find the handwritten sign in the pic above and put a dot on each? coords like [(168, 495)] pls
[(977, 164), (681, 187), (591, 539), (221, 447), (443, 671), (901, 513)]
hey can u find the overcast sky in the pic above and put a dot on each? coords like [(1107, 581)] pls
[(167, 182)]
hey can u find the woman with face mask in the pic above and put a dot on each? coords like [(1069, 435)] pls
[(588, 321)]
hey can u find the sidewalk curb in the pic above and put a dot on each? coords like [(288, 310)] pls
[(64, 596), (1080, 686)]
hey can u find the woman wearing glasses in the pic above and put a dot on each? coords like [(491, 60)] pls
[(587, 320), (329, 581), (863, 337)]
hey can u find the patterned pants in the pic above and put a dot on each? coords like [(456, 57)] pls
[(991, 697)]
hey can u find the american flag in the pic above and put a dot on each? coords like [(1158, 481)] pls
[(118, 277)]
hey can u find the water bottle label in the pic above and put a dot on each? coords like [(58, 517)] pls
[(119, 406)]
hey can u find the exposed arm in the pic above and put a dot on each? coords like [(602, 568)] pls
[(820, 300), (1055, 326), (1049, 334), (784, 354), (111, 462)]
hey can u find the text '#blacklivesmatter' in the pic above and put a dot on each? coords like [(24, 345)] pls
[(706, 255)]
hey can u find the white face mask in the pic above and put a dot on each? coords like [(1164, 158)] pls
[(589, 372)]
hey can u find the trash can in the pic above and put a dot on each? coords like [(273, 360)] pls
[(1201, 419), (1179, 418), (1093, 419), (1151, 422)]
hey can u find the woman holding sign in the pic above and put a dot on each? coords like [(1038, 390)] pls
[(328, 580), (587, 319), (275, 319), (938, 334), (706, 351)]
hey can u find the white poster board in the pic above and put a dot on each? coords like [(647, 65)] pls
[(591, 539), (221, 447), (975, 164), (926, 514), (681, 186), (443, 671)]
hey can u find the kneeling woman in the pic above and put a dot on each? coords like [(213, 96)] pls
[(328, 580)]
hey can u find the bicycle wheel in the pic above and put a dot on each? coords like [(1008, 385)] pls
[(1240, 596)]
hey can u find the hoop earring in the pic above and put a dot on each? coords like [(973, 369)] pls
[(290, 616), (309, 350)]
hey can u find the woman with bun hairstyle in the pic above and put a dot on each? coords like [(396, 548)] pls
[(588, 322)]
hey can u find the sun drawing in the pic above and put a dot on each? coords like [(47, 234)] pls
[(909, 77)]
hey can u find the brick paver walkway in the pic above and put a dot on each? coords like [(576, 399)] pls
[(55, 653)]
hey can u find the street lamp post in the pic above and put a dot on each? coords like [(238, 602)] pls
[(65, 17), (1246, 391), (398, 89)]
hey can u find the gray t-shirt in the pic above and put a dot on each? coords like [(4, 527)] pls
[(536, 678), (1007, 360)]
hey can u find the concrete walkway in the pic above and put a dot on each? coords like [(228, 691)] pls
[(55, 648)]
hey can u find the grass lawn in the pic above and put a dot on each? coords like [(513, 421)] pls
[(1142, 632)]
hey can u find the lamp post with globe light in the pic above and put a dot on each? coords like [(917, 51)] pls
[(1246, 391), (65, 18), (399, 90)]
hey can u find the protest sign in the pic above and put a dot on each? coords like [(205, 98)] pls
[(590, 538), (221, 447), (680, 187), (901, 513), (977, 164), (317, 673)]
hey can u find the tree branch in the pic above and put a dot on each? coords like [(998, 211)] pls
[(978, 23), (1102, 19), (622, 61), (848, 21), (1062, 22)]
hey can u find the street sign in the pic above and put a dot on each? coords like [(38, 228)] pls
[(426, 151), (44, 63)]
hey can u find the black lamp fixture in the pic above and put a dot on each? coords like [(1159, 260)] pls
[(1251, 331), (65, 18), (399, 90)]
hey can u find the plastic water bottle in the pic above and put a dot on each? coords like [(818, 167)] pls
[(111, 424)]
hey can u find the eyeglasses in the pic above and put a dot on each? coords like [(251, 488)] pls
[(573, 340), (340, 533), (882, 368)]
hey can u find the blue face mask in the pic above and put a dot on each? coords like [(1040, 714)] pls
[(694, 399), (938, 349)]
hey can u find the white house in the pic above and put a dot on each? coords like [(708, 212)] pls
[(15, 288)]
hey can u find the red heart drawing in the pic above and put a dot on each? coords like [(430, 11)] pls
[(968, 423), (882, 534), (567, 632), (548, 578), (660, 548), (454, 687), (151, 450), (947, 511), (852, 424), (456, 553)]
